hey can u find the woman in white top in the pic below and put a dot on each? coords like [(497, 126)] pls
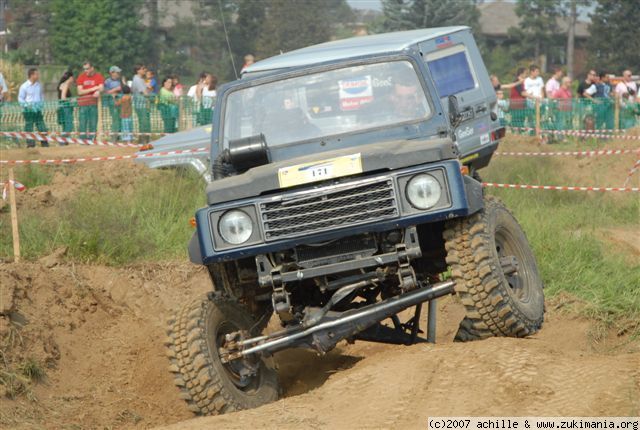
[(206, 96)]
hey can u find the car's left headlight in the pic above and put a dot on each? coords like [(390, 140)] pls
[(235, 227), (423, 191)]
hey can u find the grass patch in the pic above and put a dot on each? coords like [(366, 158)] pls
[(34, 176), (113, 227)]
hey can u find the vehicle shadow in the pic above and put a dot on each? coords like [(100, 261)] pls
[(301, 370)]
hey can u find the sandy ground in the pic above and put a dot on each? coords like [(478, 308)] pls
[(99, 332)]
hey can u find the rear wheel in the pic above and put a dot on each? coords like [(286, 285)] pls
[(495, 273), (208, 385)]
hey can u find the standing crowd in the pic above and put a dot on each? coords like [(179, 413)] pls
[(593, 103), (123, 100)]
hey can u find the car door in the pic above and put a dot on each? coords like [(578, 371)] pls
[(457, 69)]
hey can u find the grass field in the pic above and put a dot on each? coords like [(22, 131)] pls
[(568, 230)]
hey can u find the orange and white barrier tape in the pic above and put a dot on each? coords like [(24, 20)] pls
[(599, 134), (574, 153), (93, 133), (633, 170), (17, 185), (110, 158), (557, 188), (62, 139)]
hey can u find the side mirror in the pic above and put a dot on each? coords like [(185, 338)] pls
[(454, 112)]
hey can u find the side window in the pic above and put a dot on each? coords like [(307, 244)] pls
[(451, 71)]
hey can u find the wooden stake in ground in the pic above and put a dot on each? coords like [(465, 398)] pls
[(14, 217)]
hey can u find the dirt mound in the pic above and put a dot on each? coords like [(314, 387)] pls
[(98, 333)]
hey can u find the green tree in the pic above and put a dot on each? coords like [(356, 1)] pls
[(28, 39), (614, 27), (412, 14), (537, 33), (293, 24), (103, 32)]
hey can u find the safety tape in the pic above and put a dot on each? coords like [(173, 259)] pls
[(109, 158), (7, 184), (557, 188), (633, 170), (583, 133), (61, 139), (570, 153), (93, 133), (601, 131)]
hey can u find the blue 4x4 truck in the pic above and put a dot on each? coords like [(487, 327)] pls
[(345, 190)]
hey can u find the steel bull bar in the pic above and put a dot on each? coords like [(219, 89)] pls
[(333, 327)]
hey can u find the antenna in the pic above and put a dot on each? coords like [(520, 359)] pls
[(226, 35)]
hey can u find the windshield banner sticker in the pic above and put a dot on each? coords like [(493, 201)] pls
[(355, 92)]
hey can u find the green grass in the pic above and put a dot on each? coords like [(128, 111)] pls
[(114, 227)]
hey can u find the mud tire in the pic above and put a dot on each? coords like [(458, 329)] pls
[(204, 382), (493, 306)]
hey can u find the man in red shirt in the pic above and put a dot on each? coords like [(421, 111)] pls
[(90, 85), (517, 99)]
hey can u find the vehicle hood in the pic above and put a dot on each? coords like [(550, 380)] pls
[(199, 137), (390, 155)]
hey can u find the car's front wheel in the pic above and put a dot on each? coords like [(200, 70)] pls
[(208, 385), (495, 273)]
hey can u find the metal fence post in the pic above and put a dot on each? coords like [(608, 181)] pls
[(537, 117), (100, 117), (616, 114)]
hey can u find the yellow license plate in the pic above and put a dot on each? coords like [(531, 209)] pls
[(320, 170)]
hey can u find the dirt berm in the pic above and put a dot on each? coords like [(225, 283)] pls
[(99, 331)]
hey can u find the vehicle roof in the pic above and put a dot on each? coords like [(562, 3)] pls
[(352, 47)]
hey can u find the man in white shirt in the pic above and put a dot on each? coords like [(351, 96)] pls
[(534, 85), (627, 92), (31, 98), (553, 84)]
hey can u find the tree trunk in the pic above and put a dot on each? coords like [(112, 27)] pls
[(571, 38)]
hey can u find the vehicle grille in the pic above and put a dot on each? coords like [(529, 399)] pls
[(329, 209)]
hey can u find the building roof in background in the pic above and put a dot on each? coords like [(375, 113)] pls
[(497, 17), (351, 47)]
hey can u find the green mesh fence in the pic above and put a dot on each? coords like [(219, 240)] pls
[(132, 118)]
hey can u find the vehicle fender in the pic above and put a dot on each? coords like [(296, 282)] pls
[(195, 255), (475, 195)]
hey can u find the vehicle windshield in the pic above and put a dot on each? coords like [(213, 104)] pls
[(328, 103)]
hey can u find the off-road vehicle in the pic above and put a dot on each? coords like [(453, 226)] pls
[(345, 191)]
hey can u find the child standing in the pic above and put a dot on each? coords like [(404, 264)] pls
[(126, 121)]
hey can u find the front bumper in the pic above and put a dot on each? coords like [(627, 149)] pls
[(464, 198)]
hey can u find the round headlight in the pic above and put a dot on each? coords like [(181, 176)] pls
[(423, 191), (235, 227)]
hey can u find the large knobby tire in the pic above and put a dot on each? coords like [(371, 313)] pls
[(496, 304), (207, 385)]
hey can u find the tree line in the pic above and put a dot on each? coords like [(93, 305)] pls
[(126, 32)]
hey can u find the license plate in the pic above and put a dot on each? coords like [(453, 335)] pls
[(319, 170)]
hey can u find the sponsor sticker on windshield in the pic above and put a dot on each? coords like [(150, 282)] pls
[(319, 170), (355, 92)]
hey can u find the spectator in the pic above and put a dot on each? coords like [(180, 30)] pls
[(168, 106), (65, 103), (177, 86), (113, 89), (502, 107), (140, 91), (4, 89), (90, 85), (564, 104), (249, 59), (126, 121), (517, 99), (603, 105), (194, 89), (587, 88), (152, 82), (498, 86), (534, 85), (627, 92), (31, 98), (553, 84), (206, 96), (603, 88)]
